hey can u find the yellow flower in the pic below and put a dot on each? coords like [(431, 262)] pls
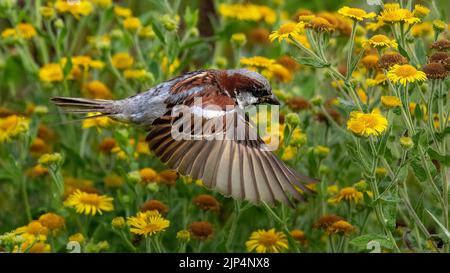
[(52, 221), (37, 171), (50, 159), (184, 235), (413, 105), (26, 31), (257, 61), (422, 29), (147, 223), (77, 237), (375, 26), (289, 153), (439, 25), (349, 194), (366, 124), (98, 122), (47, 12), (51, 73), (97, 90), (146, 32), (148, 175), (278, 72), (34, 228), (122, 60), (76, 8), (405, 74), (248, 12), (392, 15), (340, 227), (380, 78), (89, 203), (267, 241), (135, 73), (370, 61), (420, 11), (132, 23), (33, 246), (286, 30), (11, 126), (122, 12), (118, 222), (9, 33), (362, 95), (380, 41), (355, 13), (390, 101)]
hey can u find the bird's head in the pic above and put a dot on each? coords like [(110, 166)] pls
[(247, 87)]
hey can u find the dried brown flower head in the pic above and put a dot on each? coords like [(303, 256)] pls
[(201, 230), (259, 35), (298, 103), (389, 59), (107, 144), (443, 44), (288, 62), (435, 71), (440, 57), (326, 221), (207, 202), (155, 205)]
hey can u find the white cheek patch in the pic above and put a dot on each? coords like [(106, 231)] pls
[(245, 99)]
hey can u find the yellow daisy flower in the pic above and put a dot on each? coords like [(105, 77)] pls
[(380, 41), (98, 122), (405, 74), (147, 223), (396, 15), (420, 11), (349, 194), (380, 78), (286, 30), (11, 126), (366, 124), (257, 61), (390, 101), (264, 241), (89, 203), (355, 13)]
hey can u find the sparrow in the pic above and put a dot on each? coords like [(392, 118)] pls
[(239, 167)]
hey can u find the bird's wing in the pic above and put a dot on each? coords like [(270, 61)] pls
[(227, 154)]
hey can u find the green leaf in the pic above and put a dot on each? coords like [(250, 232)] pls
[(364, 240), (419, 171), (443, 159), (158, 32), (308, 61)]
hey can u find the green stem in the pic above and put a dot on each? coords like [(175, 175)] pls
[(350, 50)]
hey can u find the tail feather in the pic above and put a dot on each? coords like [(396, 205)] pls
[(84, 106)]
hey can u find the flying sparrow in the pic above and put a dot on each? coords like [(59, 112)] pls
[(235, 166)]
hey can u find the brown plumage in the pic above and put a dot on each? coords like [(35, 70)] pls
[(229, 157)]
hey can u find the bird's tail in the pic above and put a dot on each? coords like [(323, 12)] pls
[(85, 106)]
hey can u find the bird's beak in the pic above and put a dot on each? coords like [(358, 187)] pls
[(270, 100)]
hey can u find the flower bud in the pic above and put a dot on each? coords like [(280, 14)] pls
[(169, 23), (184, 235), (118, 222), (238, 39), (361, 186), (292, 119), (134, 177), (321, 151), (153, 187), (221, 62), (59, 24), (317, 100), (47, 160), (380, 172), (406, 142)]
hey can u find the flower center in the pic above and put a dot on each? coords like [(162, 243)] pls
[(348, 191), (286, 28), (380, 39), (356, 12), (267, 239), (90, 199), (406, 71)]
